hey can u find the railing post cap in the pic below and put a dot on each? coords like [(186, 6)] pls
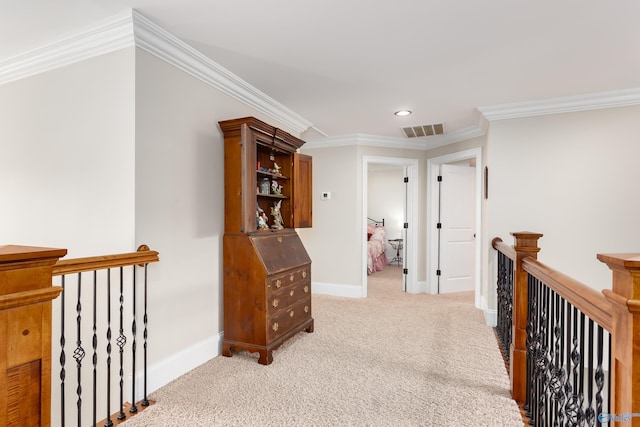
[(19, 253), (526, 241), (625, 261), (526, 235)]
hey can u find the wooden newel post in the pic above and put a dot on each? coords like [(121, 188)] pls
[(625, 335), (525, 245), (26, 293)]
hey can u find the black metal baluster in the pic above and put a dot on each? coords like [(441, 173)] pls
[(63, 357), (108, 422), (542, 358), (590, 413), (550, 358), (509, 308), (535, 380), (122, 340), (599, 375), (575, 414), (133, 408), (79, 353), (583, 319), (145, 401), (560, 371), (95, 346), (531, 306), (608, 409)]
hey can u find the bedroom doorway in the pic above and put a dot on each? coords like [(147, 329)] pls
[(437, 257), (394, 200)]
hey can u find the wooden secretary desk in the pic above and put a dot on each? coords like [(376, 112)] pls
[(267, 271)]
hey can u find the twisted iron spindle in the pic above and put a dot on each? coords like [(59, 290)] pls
[(108, 422), (95, 346), (599, 378), (145, 401), (590, 413), (63, 357), (121, 341), (133, 408), (79, 353), (532, 304)]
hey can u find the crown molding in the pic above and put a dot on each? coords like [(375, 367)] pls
[(131, 28), (422, 143), (568, 104), (154, 39), (105, 37)]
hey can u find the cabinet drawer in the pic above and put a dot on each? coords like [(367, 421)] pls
[(292, 277), (288, 296), (283, 321)]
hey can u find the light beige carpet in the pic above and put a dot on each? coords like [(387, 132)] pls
[(392, 359)]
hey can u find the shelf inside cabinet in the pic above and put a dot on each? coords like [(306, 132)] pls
[(273, 196), (272, 175)]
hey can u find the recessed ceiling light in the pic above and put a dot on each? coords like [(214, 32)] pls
[(402, 113)]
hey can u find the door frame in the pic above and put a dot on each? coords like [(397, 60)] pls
[(411, 244), (433, 170)]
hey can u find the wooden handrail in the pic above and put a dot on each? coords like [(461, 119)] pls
[(507, 250), (586, 299), (143, 256)]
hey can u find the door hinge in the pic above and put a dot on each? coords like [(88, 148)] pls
[(406, 225), (406, 179), (405, 271), (439, 178), (439, 225), (438, 273)]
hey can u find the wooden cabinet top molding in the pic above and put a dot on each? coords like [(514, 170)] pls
[(272, 135)]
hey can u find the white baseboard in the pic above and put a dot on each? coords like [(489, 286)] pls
[(421, 288), (162, 373), (337, 290), (491, 317)]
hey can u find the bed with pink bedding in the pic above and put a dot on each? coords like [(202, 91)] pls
[(376, 246)]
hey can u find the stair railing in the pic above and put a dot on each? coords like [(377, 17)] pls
[(573, 353), (98, 314)]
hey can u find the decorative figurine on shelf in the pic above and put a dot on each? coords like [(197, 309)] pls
[(261, 218), (276, 169), (278, 223), (275, 188)]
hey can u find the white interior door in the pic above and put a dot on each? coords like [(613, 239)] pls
[(457, 231)]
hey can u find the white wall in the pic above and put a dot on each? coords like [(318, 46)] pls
[(572, 177), (334, 241), (67, 157)]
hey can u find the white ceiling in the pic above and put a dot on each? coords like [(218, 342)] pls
[(347, 65)]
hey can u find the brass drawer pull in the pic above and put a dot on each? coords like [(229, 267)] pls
[(291, 278), (291, 293), (291, 313), (279, 239), (306, 289), (278, 283), (306, 308), (304, 274), (275, 302), (275, 326)]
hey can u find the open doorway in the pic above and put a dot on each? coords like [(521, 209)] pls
[(435, 253), (400, 215)]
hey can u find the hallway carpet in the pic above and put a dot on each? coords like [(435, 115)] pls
[(392, 359)]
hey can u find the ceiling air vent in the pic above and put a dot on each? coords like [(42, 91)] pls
[(424, 130)]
